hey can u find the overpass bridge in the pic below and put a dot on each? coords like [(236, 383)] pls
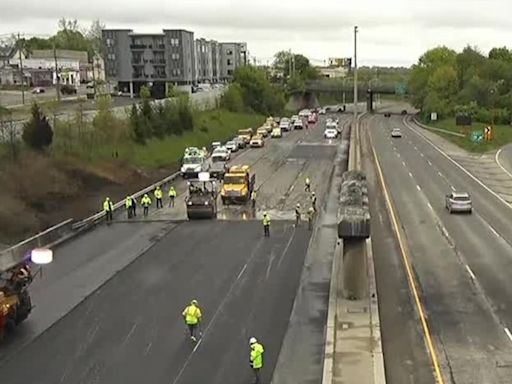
[(345, 91)]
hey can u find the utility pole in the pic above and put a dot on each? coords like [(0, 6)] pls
[(355, 74), (289, 63), (57, 80), (293, 61), (18, 43)]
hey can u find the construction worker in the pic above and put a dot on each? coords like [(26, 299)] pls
[(128, 203), (172, 196), (134, 206), (145, 202), (253, 199), (307, 185), (108, 207), (297, 215), (311, 216), (158, 196), (313, 200), (192, 316), (256, 358), (266, 224)]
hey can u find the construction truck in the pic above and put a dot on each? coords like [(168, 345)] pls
[(15, 302), (202, 197), (245, 134), (238, 185)]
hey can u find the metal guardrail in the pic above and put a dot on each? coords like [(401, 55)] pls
[(12, 256), (55, 235), (437, 129)]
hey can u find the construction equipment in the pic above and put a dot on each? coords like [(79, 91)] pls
[(238, 185), (202, 197), (245, 134), (354, 211), (15, 302)]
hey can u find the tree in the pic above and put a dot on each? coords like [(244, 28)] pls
[(232, 99), (37, 132), (186, 119), (139, 135), (159, 121), (502, 54), (284, 61), (9, 133)]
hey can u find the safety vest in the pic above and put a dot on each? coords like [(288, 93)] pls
[(307, 181), (128, 202), (257, 355), (266, 220), (146, 201), (172, 192), (158, 193), (253, 195), (107, 206), (192, 314)]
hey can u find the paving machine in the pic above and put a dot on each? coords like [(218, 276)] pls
[(15, 302), (202, 197)]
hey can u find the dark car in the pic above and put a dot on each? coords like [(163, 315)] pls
[(387, 114), (67, 89), (404, 112)]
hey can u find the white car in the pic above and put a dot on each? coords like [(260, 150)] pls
[(304, 113), (459, 202), (298, 124), (216, 144), (321, 111), (294, 117), (396, 132), (276, 132), (232, 146), (222, 152), (331, 133), (284, 125)]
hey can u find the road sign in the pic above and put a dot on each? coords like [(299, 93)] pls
[(433, 116), (477, 136), (400, 89)]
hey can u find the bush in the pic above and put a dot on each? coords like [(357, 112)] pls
[(232, 99), (67, 89), (37, 132)]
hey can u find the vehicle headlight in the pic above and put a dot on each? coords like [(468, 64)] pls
[(189, 203), (205, 203)]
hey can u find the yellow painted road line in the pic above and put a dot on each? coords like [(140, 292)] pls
[(410, 274)]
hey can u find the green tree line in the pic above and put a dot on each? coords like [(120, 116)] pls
[(468, 82)]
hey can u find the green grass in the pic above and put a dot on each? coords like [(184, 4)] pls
[(218, 125), (502, 135)]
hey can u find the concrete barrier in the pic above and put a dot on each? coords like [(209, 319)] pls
[(437, 129)]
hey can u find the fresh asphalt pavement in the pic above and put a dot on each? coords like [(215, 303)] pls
[(462, 262), (129, 329)]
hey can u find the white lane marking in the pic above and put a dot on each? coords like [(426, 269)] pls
[(407, 124), (416, 148), (430, 206), (470, 272), (130, 333), (291, 188), (453, 188), (410, 174), (507, 331), (418, 187), (493, 231), (439, 173), (422, 155), (403, 162), (497, 159), (242, 272), (429, 162), (398, 154), (146, 351)]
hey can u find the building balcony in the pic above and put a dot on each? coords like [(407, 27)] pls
[(138, 46), (159, 47)]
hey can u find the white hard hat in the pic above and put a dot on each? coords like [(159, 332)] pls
[(253, 340), (298, 205)]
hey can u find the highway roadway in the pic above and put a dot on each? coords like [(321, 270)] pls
[(461, 263), (108, 309)]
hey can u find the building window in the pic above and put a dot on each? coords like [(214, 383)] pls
[(175, 56), (230, 72), (229, 52), (230, 62), (175, 42)]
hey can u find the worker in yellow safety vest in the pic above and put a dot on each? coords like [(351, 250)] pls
[(192, 316), (256, 358), (108, 208), (145, 202), (172, 196), (253, 199), (159, 196), (307, 185), (266, 224), (128, 203), (311, 216)]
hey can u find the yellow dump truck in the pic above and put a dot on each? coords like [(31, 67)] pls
[(238, 185), (245, 134)]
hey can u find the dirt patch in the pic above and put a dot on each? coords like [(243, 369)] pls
[(39, 191)]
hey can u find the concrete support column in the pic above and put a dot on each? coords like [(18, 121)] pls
[(131, 89)]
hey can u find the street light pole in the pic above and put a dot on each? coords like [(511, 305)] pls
[(355, 73)]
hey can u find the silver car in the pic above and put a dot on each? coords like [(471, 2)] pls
[(396, 132), (459, 202)]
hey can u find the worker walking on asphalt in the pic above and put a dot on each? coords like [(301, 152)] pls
[(158, 196), (297, 215), (108, 207), (313, 200), (192, 316), (311, 216), (128, 203), (266, 224), (145, 202), (172, 196), (256, 358), (253, 199), (307, 185)]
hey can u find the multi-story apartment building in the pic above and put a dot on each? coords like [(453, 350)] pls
[(156, 59), (215, 61), (232, 55), (204, 60)]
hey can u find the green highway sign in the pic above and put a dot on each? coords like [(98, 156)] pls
[(477, 136), (400, 89)]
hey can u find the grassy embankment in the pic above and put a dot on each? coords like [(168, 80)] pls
[(502, 135)]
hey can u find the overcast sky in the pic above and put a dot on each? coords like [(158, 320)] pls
[(392, 32)]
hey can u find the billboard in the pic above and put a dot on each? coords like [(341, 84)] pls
[(345, 62)]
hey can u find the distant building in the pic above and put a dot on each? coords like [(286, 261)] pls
[(216, 61), (155, 59), (331, 73), (232, 56), (204, 61)]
